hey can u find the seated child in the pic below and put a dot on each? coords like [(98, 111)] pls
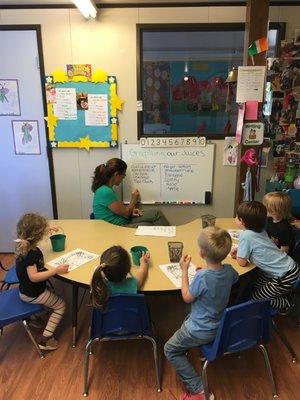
[(279, 206), (279, 272), (113, 275), (209, 294), (32, 275)]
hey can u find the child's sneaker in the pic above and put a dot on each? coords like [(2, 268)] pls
[(50, 344), (198, 396)]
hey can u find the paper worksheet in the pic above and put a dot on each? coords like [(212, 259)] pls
[(250, 84), (167, 231), (75, 259), (173, 272)]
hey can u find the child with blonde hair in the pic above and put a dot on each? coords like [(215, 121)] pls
[(208, 294), (32, 275), (113, 275), (279, 206)]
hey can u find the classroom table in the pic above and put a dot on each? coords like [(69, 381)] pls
[(96, 236)]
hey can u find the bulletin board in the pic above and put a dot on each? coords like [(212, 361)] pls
[(69, 125)]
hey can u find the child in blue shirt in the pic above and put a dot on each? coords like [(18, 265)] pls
[(278, 271), (208, 294), (113, 275)]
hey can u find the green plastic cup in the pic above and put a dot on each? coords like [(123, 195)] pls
[(58, 242), (136, 253)]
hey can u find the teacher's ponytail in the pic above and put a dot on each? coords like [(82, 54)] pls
[(104, 172), (99, 177)]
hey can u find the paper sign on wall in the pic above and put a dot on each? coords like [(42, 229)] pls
[(65, 106), (250, 84), (240, 124), (253, 133)]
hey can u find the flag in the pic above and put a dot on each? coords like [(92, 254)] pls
[(258, 46)]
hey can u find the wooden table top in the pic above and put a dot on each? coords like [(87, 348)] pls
[(97, 235)]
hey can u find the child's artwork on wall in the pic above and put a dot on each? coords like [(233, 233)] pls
[(26, 137), (9, 97), (230, 152), (82, 107)]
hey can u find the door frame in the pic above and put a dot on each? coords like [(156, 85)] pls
[(37, 29)]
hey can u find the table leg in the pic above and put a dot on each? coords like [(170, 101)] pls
[(74, 312)]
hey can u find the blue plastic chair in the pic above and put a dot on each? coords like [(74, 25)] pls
[(10, 277), (125, 316), (295, 197), (13, 309), (280, 334), (242, 326)]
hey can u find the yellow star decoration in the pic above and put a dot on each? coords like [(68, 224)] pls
[(51, 121), (115, 101), (85, 143), (99, 76), (59, 76)]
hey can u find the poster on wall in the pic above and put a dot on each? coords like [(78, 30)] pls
[(230, 152), (82, 107), (9, 97), (26, 137)]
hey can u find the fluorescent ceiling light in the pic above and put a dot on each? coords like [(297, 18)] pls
[(87, 8)]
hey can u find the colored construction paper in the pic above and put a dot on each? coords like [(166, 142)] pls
[(251, 111)]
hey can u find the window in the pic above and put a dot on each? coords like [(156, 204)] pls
[(182, 71)]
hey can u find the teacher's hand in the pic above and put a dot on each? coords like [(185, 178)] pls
[(135, 195), (137, 213)]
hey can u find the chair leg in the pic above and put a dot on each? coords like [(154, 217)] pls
[(284, 340), (32, 339), (156, 361), (205, 381), (86, 367), (269, 369)]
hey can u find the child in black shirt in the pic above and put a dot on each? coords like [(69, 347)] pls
[(279, 206), (33, 276)]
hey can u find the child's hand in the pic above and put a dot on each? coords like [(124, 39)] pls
[(185, 262), (53, 229), (145, 258), (233, 251), (135, 195), (62, 269), (137, 213)]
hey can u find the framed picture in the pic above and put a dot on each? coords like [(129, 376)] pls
[(26, 137), (9, 97)]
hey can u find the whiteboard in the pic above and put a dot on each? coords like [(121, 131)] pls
[(169, 175)]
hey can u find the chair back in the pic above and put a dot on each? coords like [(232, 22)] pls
[(242, 327), (296, 250), (92, 215), (124, 316), (295, 197)]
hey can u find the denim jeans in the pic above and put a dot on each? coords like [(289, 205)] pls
[(175, 351), (150, 217)]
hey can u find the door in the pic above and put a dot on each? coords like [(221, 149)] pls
[(25, 184)]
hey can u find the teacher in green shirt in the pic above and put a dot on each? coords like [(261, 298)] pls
[(106, 205)]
